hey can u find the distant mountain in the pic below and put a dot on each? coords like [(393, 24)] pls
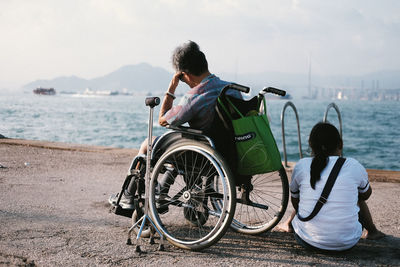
[(258, 81), (385, 79), (142, 77), (297, 84), (61, 83), (135, 78), (145, 78)]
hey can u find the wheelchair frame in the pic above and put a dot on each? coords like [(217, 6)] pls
[(204, 204)]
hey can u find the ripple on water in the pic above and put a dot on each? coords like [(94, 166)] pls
[(370, 129)]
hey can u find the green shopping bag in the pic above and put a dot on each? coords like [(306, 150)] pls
[(255, 145)]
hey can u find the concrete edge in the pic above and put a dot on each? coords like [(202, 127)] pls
[(374, 175), (68, 146)]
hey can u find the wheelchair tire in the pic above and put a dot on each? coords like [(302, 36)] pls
[(189, 220), (271, 192)]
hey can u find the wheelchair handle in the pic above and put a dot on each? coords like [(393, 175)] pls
[(239, 87), (274, 91), (235, 86), (152, 101)]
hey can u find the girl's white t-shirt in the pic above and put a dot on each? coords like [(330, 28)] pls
[(336, 226)]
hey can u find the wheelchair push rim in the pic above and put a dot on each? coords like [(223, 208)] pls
[(201, 176)]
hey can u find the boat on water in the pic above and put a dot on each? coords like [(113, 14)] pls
[(88, 91), (44, 91)]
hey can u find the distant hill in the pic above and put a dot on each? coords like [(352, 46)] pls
[(142, 77), (145, 78), (59, 83), (297, 84), (135, 78)]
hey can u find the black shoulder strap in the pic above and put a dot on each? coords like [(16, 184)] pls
[(326, 191)]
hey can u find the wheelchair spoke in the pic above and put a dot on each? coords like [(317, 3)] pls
[(264, 205), (189, 218)]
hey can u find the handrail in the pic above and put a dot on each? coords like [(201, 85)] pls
[(333, 105), (289, 103)]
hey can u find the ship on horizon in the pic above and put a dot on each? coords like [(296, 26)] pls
[(44, 91)]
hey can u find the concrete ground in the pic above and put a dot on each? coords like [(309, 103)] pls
[(54, 212)]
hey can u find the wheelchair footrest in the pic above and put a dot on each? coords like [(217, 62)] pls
[(122, 212)]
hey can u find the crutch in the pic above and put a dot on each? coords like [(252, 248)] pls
[(151, 102)]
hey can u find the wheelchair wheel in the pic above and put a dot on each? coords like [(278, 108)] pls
[(185, 182), (263, 205)]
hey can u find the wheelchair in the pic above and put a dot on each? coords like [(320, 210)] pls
[(194, 192)]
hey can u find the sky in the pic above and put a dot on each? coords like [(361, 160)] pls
[(44, 39)]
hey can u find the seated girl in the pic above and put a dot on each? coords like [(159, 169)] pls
[(338, 224)]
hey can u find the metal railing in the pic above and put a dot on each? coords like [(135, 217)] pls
[(333, 105), (290, 104)]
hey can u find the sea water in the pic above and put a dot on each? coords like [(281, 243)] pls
[(370, 129)]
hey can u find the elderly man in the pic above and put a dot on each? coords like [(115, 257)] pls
[(196, 107)]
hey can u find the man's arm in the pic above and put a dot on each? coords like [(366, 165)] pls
[(168, 100)]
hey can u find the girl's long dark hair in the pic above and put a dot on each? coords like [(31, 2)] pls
[(324, 141)]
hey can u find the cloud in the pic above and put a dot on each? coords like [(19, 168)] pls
[(44, 38)]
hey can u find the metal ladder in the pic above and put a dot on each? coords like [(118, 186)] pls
[(290, 104), (333, 105)]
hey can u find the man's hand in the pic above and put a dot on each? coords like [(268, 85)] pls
[(174, 82), (168, 100)]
